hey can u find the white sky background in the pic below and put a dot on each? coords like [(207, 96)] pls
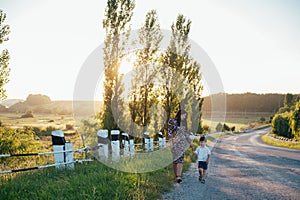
[(254, 44)]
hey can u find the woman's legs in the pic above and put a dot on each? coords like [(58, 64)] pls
[(179, 169), (175, 169), (177, 166)]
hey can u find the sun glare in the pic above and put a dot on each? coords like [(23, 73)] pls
[(127, 63)]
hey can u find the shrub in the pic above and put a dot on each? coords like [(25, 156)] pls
[(219, 127), (232, 128), (281, 125), (15, 141), (69, 127), (284, 110), (49, 129), (205, 128), (262, 119), (295, 121), (28, 114), (225, 128)]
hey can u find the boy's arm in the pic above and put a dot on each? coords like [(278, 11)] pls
[(208, 157)]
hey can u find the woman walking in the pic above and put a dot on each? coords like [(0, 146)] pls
[(179, 138)]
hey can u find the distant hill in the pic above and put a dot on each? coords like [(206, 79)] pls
[(3, 108), (9, 102), (42, 104), (247, 102)]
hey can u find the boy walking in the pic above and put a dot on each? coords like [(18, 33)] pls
[(203, 154)]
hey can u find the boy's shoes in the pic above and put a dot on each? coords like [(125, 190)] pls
[(200, 178), (203, 181)]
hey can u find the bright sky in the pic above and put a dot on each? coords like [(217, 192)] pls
[(254, 44)]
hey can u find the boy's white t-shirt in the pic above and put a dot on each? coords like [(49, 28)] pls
[(202, 153)]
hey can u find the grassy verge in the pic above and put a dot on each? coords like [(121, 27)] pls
[(262, 127), (92, 180), (271, 141)]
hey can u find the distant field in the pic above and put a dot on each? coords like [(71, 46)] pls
[(44, 121), (39, 120), (240, 120)]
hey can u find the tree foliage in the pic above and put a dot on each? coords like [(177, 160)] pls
[(177, 72), (181, 75), (287, 124), (144, 71), (280, 125), (4, 56), (288, 100), (117, 15), (295, 121)]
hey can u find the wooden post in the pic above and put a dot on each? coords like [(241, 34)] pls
[(147, 141), (115, 144), (164, 142), (131, 145), (58, 143), (125, 142), (151, 144), (69, 156), (161, 140), (103, 143)]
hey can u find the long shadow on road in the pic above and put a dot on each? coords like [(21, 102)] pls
[(253, 175)]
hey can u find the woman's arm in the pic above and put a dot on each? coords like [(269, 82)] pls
[(192, 146), (172, 127)]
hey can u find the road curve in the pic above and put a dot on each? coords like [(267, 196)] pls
[(243, 167)]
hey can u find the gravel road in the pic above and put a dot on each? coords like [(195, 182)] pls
[(243, 167)]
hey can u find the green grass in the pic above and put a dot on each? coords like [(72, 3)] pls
[(91, 180), (271, 141)]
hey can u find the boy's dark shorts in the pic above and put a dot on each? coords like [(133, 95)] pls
[(202, 165)]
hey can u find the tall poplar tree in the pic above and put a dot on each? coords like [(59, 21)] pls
[(145, 71), (118, 14), (181, 74), (174, 60), (4, 56)]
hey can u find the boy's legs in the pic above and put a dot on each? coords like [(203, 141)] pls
[(204, 174), (200, 169), (205, 166), (200, 173)]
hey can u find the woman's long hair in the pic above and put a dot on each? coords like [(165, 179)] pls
[(178, 118)]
